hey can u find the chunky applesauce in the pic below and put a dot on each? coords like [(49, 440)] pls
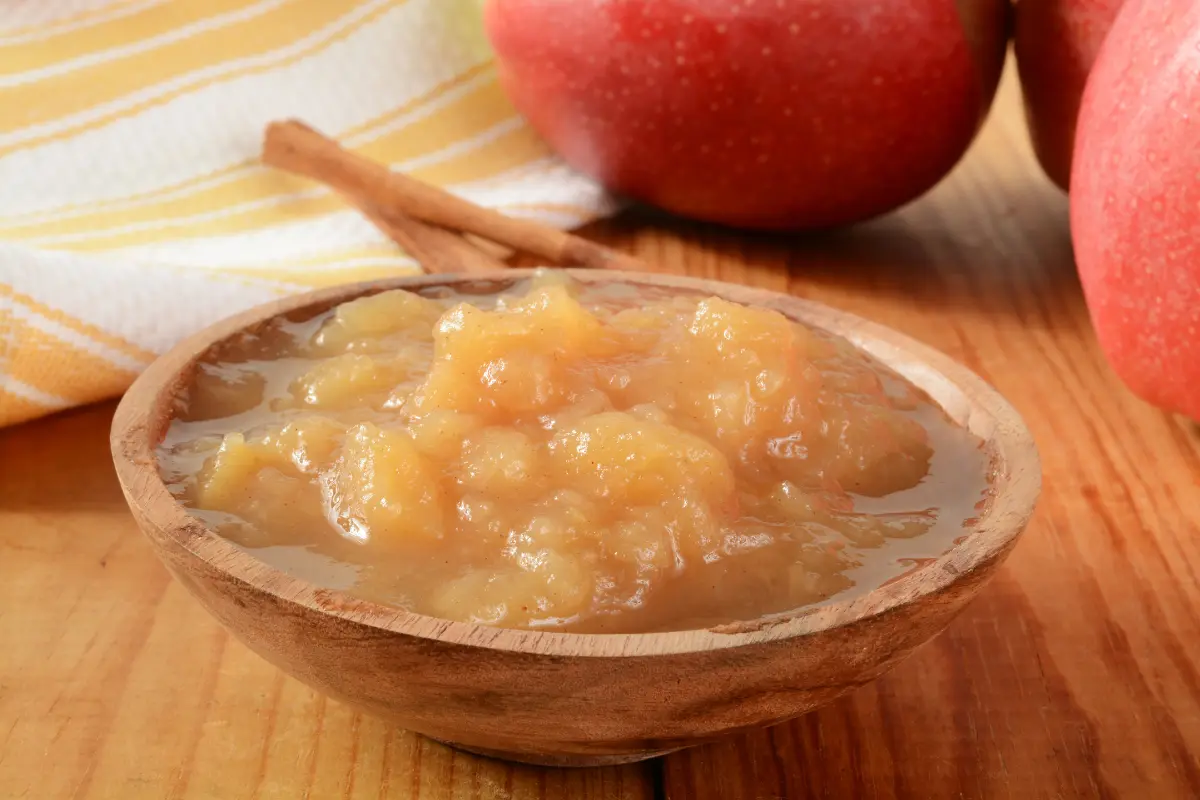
[(555, 454)]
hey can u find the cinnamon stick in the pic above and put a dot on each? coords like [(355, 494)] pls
[(297, 148), (437, 250), (496, 250)]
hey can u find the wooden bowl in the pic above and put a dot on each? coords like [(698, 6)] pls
[(566, 698)]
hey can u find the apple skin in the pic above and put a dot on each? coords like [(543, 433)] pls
[(1056, 43), (1135, 201), (768, 114)]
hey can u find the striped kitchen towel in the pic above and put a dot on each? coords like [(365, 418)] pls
[(132, 209)]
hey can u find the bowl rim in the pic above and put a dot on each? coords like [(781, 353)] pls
[(144, 411)]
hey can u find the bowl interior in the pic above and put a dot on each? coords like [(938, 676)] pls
[(146, 410)]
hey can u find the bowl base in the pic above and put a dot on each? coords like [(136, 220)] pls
[(560, 760)]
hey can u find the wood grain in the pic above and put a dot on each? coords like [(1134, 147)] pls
[(1075, 674), (115, 684)]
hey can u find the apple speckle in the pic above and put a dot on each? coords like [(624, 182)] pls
[(1136, 228), (756, 74)]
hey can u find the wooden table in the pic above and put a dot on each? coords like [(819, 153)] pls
[(1076, 673)]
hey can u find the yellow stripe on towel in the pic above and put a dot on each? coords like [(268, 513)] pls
[(134, 208)]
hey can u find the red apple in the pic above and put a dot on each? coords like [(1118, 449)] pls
[(778, 114), (1135, 200), (1056, 42)]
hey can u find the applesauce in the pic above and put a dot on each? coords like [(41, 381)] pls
[(561, 455)]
